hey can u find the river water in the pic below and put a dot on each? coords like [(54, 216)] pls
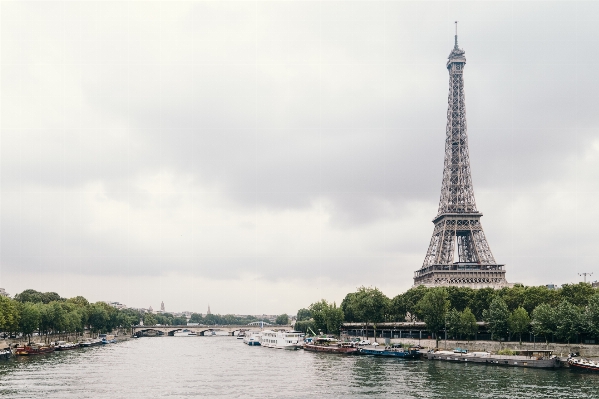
[(198, 367)]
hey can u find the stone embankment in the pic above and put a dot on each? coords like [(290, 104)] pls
[(561, 350)]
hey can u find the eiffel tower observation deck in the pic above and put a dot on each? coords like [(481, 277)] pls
[(458, 221)]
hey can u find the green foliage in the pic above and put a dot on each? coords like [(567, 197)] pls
[(535, 296), (30, 318), (36, 297), (303, 314), (591, 316), (497, 318), (481, 301), (397, 308), (9, 315), (433, 308), (411, 298), (149, 319), (577, 294), (282, 319), (454, 323), (326, 317), (468, 326), (544, 320), (460, 297), (305, 326), (568, 321), (348, 306), (196, 318), (519, 322)]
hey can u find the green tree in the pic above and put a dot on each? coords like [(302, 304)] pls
[(397, 308), (98, 317), (282, 319), (591, 316), (36, 297), (9, 315), (150, 320), (303, 314), (481, 301), (348, 306), (454, 325), (535, 296), (334, 319), (544, 320), (412, 297), (79, 301), (433, 307), (568, 321), (468, 326), (519, 322), (30, 319), (196, 318), (577, 294), (460, 297), (513, 296), (497, 318), (319, 314)]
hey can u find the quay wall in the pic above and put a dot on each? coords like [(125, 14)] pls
[(562, 350)]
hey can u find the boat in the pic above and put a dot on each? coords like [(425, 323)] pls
[(107, 339), (522, 358), (290, 340), (391, 351), (65, 346), (241, 334), (185, 333), (253, 339), (90, 342), (34, 349), (5, 351), (583, 364), (331, 345)]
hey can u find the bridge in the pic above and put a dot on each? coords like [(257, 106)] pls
[(202, 329)]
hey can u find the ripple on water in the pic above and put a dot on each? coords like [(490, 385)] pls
[(223, 366)]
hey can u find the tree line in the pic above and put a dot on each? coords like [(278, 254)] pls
[(47, 313), (564, 314)]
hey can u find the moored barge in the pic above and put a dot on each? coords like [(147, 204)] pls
[(583, 364), (331, 345), (411, 353), (33, 349), (526, 358)]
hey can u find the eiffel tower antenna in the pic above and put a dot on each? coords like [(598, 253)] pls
[(458, 220), (456, 34)]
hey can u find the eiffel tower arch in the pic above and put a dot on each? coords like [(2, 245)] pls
[(457, 223)]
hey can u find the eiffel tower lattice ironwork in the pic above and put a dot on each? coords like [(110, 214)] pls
[(458, 221)]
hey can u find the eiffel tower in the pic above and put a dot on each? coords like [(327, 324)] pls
[(458, 220)]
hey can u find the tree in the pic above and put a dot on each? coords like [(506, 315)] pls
[(196, 318), (149, 319), (519, 322), (544, 320), (454, 322), (98, 317), (535, 296), (318, 310), (30, 319), (303, 314), (513, 296), (577, 294), (348, 306), (397, 308), (591, 317), (36, 297), (79, 301), (433, 308), (334, 319), (9, 315), (468, 326), (411, 298), (460, 297), (282, 319), (568, 321), (497, 318), (481, 301)]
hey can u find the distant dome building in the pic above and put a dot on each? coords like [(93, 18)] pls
[(162, 306)]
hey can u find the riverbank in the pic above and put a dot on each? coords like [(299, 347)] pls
[(561, 350), (37, 339)]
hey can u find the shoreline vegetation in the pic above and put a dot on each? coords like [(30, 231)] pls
[(46, 317), (569, 314)]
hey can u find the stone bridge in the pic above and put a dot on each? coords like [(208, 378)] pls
[(203, 329)]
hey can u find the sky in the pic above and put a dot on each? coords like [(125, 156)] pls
[(259, 156)]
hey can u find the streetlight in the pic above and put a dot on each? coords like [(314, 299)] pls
[(585, 275)]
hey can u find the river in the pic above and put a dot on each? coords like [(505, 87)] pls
[(174, 367)]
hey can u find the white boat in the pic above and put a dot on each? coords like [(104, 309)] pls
[(185, 333), (290, 340), (253, 339)]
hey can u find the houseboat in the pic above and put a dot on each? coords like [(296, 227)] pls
[(290, 340), (583, 364), (523, 358), (34, 349), (65, 346), (331, 345), (391, 351), (253, 339)]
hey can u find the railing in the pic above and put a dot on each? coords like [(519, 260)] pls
[(458, 267)]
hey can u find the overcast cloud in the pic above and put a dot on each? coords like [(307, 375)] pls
[(259, 156)]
